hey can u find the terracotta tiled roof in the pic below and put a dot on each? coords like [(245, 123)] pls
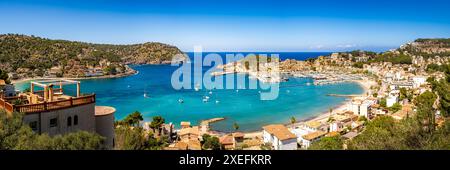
[(2, 82), (313, 124), (226, 140), (238, 135), (314, 135), (185, 123), (280, 131), (192, 130)]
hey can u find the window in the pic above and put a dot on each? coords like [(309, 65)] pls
[(69, 121), (75, 120), (33, 126), (53, 122)]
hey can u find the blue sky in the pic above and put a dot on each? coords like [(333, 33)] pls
[(233, 25)]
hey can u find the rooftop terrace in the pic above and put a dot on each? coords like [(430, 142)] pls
[(48, 99)]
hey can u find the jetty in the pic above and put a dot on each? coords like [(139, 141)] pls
[(208, 121)]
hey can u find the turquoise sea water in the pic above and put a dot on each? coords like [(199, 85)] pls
[(244, 107)]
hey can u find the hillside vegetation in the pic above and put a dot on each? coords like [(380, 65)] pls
[(32, 56)]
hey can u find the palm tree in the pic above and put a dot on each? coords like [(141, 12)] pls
[(235, 126), (293, 120), (156, 124), (247, 65)]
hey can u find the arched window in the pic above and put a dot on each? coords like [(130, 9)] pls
[(69, 121), (75, 120)]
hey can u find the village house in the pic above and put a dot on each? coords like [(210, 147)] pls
[(189, 138), (238, 138), (189, 133), (312, 125), (54, 112), (185, 125), (309, 138), (391, 100), (228, 142), (187, 145), (279, 137), (361, 107), (419, 81)]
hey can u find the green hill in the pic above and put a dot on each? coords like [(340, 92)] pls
[(32, 56)]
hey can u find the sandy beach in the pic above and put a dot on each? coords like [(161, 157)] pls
[(365, 84)]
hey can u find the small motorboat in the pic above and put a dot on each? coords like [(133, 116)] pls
[(180, 101), (217, 101), (206, 99)]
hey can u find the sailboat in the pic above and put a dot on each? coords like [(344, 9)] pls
[(197, 87), (145, 93)]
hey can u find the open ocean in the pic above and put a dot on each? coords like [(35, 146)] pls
[(244, 107)]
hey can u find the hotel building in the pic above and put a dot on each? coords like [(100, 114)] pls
[(49, 110)]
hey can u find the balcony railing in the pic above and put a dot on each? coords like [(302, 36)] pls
[(5, 105), (48, 106)]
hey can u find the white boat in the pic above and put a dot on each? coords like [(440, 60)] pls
[(217, 101), (180, 101), (145, 94), (206, 99), (197, 87), (210, 92)]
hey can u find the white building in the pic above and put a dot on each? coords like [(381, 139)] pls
[(361, 107), (391, 100), (309, 138), (336, 126), (418, 81), (334, 56), (280, 137)]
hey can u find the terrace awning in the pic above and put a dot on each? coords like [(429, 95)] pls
[(48, 86)]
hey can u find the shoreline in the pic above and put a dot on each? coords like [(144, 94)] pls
[(130, 73), (365, 84)]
